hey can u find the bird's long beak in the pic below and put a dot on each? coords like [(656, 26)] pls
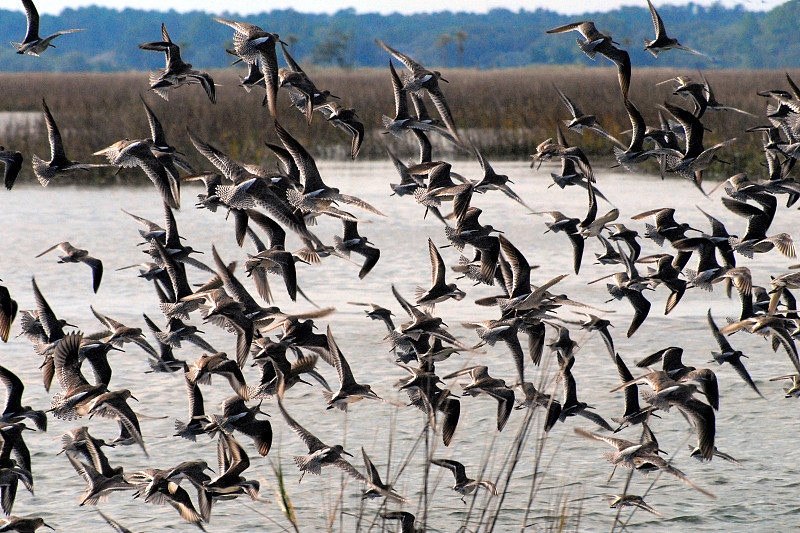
[(45, 524)]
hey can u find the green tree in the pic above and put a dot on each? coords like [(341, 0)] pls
[(459, 37), (333, 50), (444, 40)]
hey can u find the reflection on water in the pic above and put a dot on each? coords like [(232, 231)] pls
[(755, 431)]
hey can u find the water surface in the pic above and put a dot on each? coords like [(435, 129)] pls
[(572, 473)]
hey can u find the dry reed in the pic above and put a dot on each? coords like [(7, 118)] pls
[(507, 113)]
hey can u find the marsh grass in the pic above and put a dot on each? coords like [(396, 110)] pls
[(507, 113)]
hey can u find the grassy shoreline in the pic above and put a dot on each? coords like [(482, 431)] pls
[(507, 113)]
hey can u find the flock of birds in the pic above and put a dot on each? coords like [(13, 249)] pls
[(268, 204)]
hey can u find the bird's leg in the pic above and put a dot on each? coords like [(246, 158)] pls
[(612, 474)]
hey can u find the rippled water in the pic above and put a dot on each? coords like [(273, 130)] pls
[(572, 472)]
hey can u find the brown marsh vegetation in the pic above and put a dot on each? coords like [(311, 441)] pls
[(507, 113)]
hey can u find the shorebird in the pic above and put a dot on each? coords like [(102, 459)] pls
[(252, 44), (421, 79), (635, 153), (629, 285), (631, 500), (632, 455), (76, 255), (568, 225), (76, 392), (442, 188), (633, 413), (14, 410), (534, 397), (116, 526), (8, 312), (158, 488), (593, 39), (403, 121), (662, 42), (440, 290), (319, 453), (270, 355), (166, 154), (667, 392), (33, 44), (665, 228), (691, 163), (79, 442), (463, 484), (315, 196), (349, 391), (697, 454), (230, 483), (492, 181), (13, 164), (777, 326), (406, 520), (119, 333), (483, 383), (99, 486), (237, 416), (296, 79), (137, 153), (198, 420), (176, 72), (755, 239), (570, 406), (23, 525), (579, 121), (249, 189), (59, 163), (375, 479), (424, 392), (345, 119), (114, 405), (218, 363), (595, 42), (351, 241), (548, 149)]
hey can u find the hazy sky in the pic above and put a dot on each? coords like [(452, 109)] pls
[(364, 6)]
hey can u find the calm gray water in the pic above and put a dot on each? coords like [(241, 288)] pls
[(572, 474)]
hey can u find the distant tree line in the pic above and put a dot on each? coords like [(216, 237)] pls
[(733, 37)]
